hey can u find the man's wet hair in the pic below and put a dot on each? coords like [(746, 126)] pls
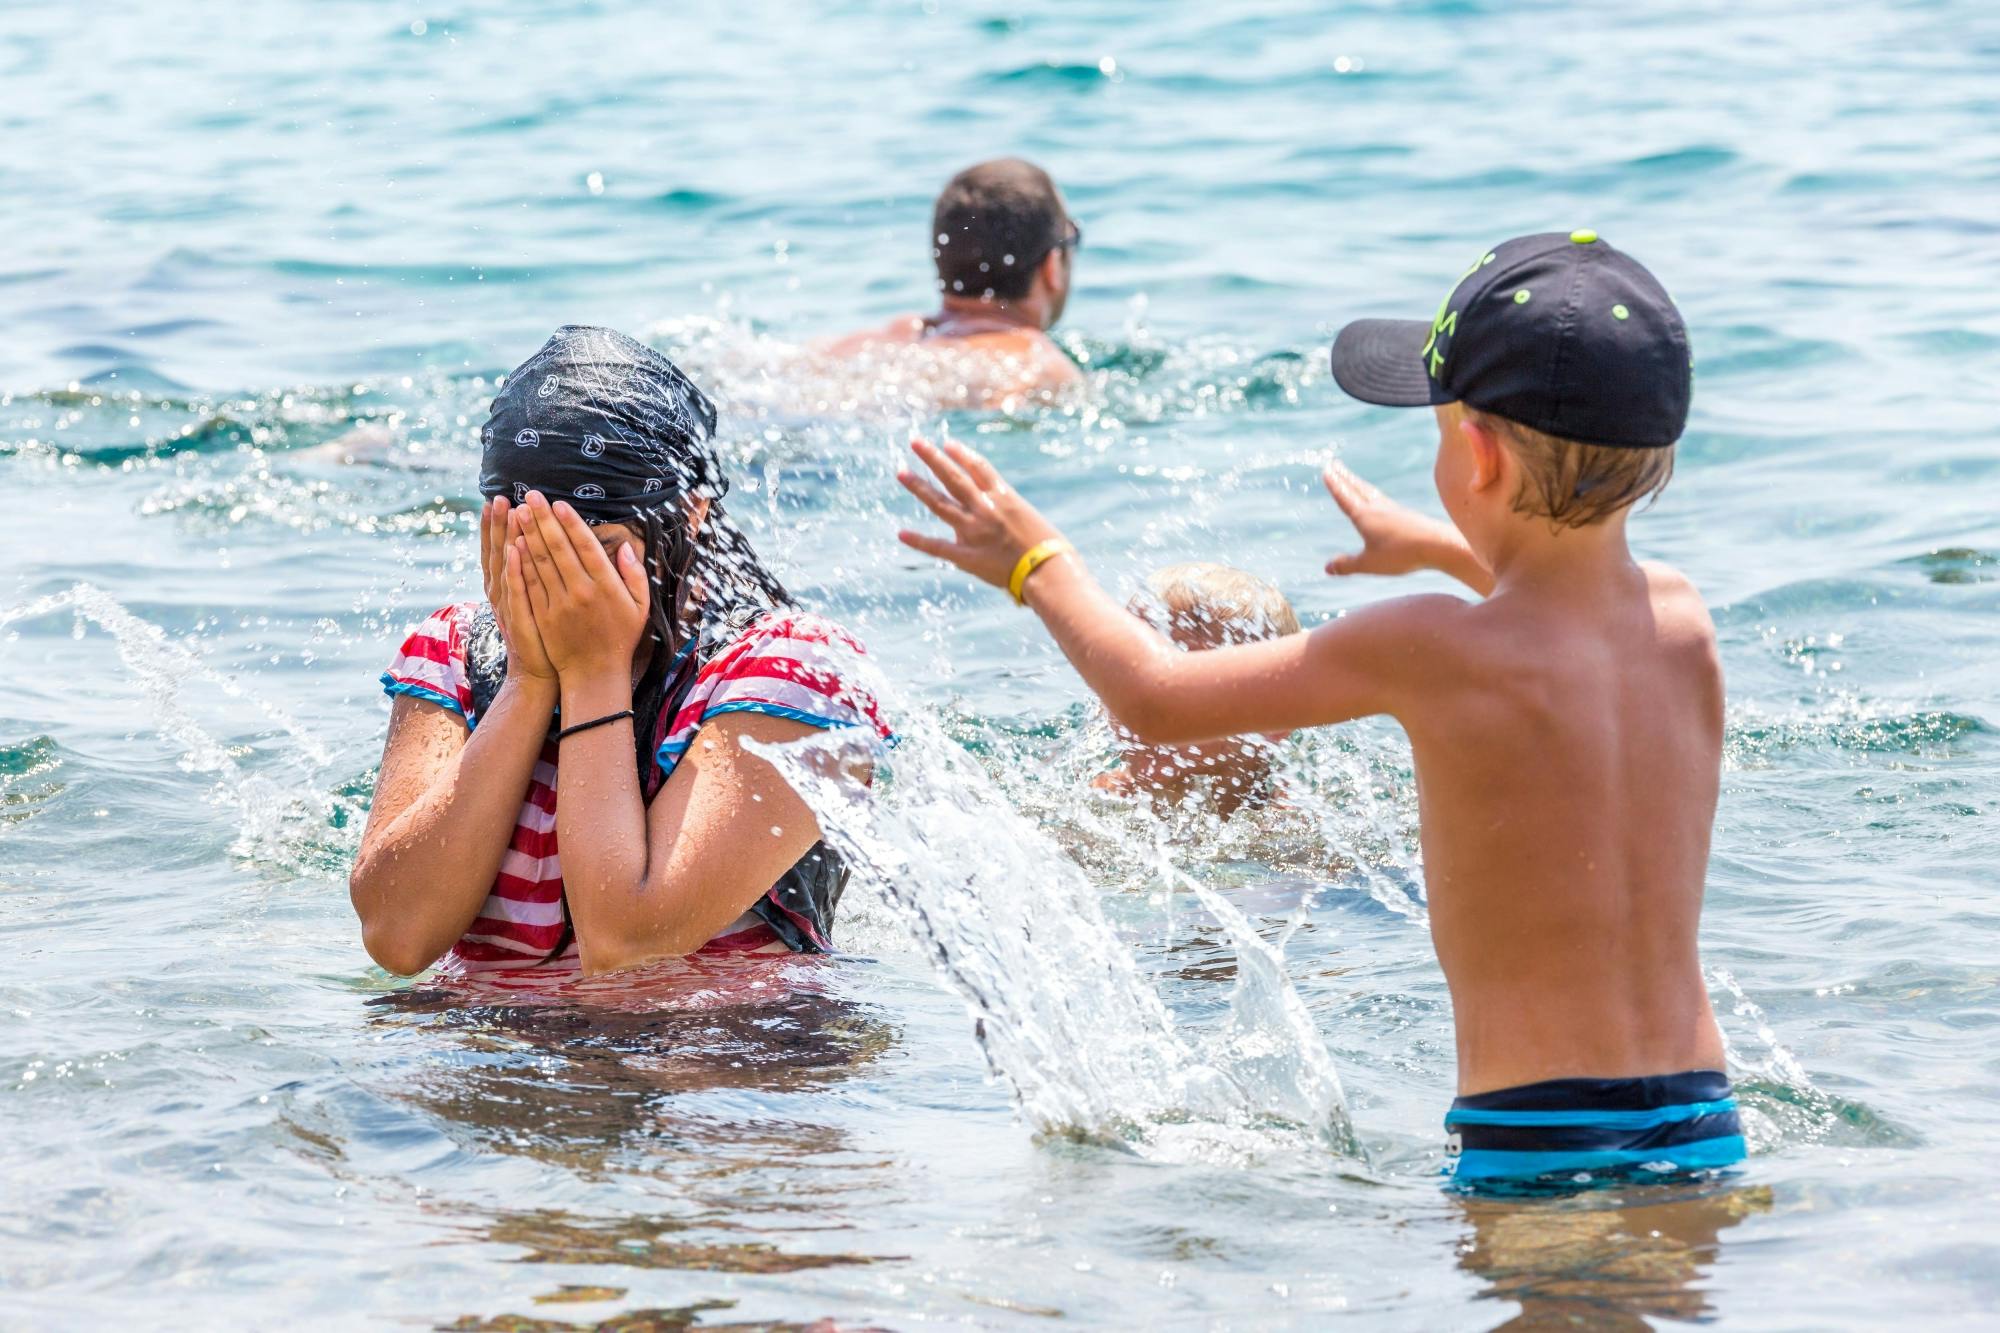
[(1573, 484), (992, 225)]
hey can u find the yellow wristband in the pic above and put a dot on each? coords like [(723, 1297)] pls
[(1034, 558)]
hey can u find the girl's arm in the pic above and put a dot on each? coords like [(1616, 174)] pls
[(1361, 664), (642, 882), (446, 799), (444, 812), (661, 881)]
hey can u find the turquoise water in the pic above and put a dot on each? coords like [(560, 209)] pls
[(235, 233)]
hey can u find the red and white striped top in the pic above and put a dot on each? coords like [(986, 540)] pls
[(787, 663)]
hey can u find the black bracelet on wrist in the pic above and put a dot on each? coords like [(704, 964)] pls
[(568, 732)]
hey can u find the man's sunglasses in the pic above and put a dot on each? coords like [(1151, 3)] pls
[(1072, 240)]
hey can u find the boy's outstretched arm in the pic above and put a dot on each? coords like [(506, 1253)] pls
[(1364, 663)]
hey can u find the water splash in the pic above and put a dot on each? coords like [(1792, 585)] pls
[(1057, 1001), (164, 666), (1345, 811), (1779, 1103), (27, 781), (1361, 802), (1133, 380)]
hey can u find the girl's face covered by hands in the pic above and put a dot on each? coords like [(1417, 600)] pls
[(586, 586), (615, 536)]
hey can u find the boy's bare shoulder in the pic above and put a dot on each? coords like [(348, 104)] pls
[(1418, 613), (1678, 608), (1414, 635)]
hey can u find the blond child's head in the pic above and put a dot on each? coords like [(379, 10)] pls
[(1201, 606)]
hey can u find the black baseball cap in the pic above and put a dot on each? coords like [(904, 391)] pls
[(1559, 332)]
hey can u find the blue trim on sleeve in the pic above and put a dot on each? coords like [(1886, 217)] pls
[(671, 751), (779, 710), (391, 686)]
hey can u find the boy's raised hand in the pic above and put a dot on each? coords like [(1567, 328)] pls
[(991, 526), (1396, 540)]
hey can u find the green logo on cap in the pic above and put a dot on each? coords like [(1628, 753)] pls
[(1445, 322)]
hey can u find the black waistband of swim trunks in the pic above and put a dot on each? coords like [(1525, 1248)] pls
[(1586, 1115), (1642, 1093)]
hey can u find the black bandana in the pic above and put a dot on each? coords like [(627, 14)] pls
[(604, 422)]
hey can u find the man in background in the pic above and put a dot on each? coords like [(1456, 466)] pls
[(1004, 245)]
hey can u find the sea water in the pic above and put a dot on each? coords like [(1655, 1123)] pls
[(1076, 1064)]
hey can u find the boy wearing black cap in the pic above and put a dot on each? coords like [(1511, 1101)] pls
[(1566, 728)]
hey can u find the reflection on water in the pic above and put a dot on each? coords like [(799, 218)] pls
[(552, 1237), (675, 1320), (1604, 1260), (579, 1077), (649, 1076)]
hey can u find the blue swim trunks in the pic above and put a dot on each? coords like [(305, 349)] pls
[(1624, 1127)]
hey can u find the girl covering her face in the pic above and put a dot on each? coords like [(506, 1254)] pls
[(631, 636)]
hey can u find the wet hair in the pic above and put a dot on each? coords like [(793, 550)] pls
[(734, 584), (1202, 605), (992, 225), (1573, 484)]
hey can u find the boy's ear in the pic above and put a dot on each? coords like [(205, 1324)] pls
[(1486, 451)]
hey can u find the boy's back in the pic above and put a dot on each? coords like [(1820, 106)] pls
[(1567, 760)]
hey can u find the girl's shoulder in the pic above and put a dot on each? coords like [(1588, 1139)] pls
[(448, 625), (431, 663), (793, 663), (788, 625)]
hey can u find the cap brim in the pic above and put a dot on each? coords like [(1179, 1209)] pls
[(1381, 361)]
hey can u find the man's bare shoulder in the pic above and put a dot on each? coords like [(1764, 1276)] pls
[(901, 330), (1027, 345)]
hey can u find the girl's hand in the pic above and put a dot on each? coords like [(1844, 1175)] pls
[(993, 526), (525, 655), (589, 612)]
